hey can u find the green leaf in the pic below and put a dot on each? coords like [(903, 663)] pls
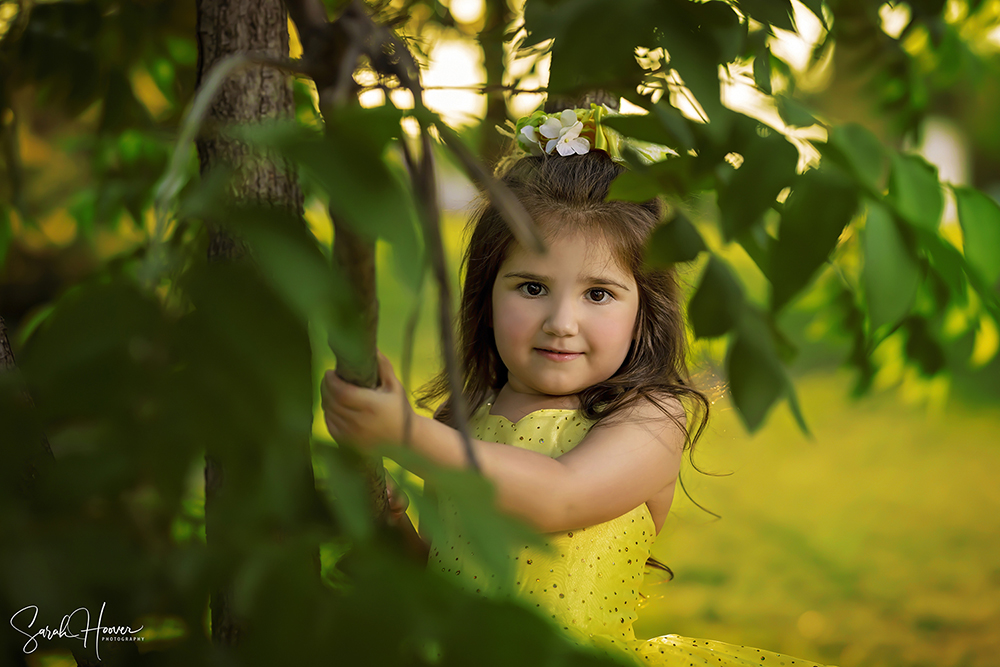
[(979, 216), (718, 303), (891, 274), (946, 263), (819, 207), (230, 338), (757, 378), (699, 37), (576, 64), (860, 152), (163, 74), (816, 7), (674, 241), (347, 163), (347, 491), (769, 165), (775, 12), (914, 191), (794, 113), (634, 185), (493, 535), (758, 243), (120, 109), (643, 182), (88, 340), (663, 125), (922, 347), (725, 30), (290, 259), (927, 8), (762, 70)]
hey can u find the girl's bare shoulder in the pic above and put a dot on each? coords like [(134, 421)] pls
[(659, 408)]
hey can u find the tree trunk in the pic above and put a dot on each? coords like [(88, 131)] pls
[(498, 17), (249, 95), (6, 354)]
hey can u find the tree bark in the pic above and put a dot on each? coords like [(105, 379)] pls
[(6, 354), (249, 95)]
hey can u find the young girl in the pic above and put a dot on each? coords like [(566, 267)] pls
[(576, 380)]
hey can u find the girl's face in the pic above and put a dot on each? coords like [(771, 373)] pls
[(563, 321)]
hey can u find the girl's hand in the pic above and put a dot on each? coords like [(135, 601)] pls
[(398, 500), (366, 417)]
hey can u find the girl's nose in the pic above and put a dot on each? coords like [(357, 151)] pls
[(562, 319)]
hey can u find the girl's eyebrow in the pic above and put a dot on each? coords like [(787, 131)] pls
[(592, 280), (601, 280)]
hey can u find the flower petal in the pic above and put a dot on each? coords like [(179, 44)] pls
[(571, 132), (551, 128), (550, 145), (565, 149), (529, 133), (567, 118)]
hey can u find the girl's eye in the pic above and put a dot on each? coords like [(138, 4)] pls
[(600, 295), (531, 289)]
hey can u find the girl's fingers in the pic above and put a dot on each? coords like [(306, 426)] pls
[(398, 500), (400, 503), (332, 428), (339, 389), (387, 378), (336, 396), (332, 384), (338, 427)]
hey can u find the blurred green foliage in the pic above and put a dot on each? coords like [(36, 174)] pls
[(138, 355)]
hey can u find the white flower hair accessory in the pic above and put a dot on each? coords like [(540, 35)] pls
[(569, 132)]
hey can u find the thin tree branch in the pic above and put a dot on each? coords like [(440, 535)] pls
[(496, 88), (517, 217), (425, 187)]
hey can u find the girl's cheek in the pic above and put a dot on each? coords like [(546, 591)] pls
[(616, 325), (514, 326), (514, 319)]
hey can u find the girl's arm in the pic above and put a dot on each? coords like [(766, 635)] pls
[(612, 471), (524, 480), (619, 466)]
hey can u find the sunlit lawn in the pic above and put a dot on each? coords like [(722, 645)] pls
[(874, 543)]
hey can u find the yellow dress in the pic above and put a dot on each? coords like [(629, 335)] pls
[(588, 584)]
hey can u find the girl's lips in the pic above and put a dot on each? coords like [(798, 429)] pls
[(558, 356)]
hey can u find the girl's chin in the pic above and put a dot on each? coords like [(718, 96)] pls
[(557, 389), (545, 389)]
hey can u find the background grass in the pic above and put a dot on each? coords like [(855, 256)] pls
[(875, 543)]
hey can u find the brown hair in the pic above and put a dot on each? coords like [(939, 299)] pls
[(570, 193)]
